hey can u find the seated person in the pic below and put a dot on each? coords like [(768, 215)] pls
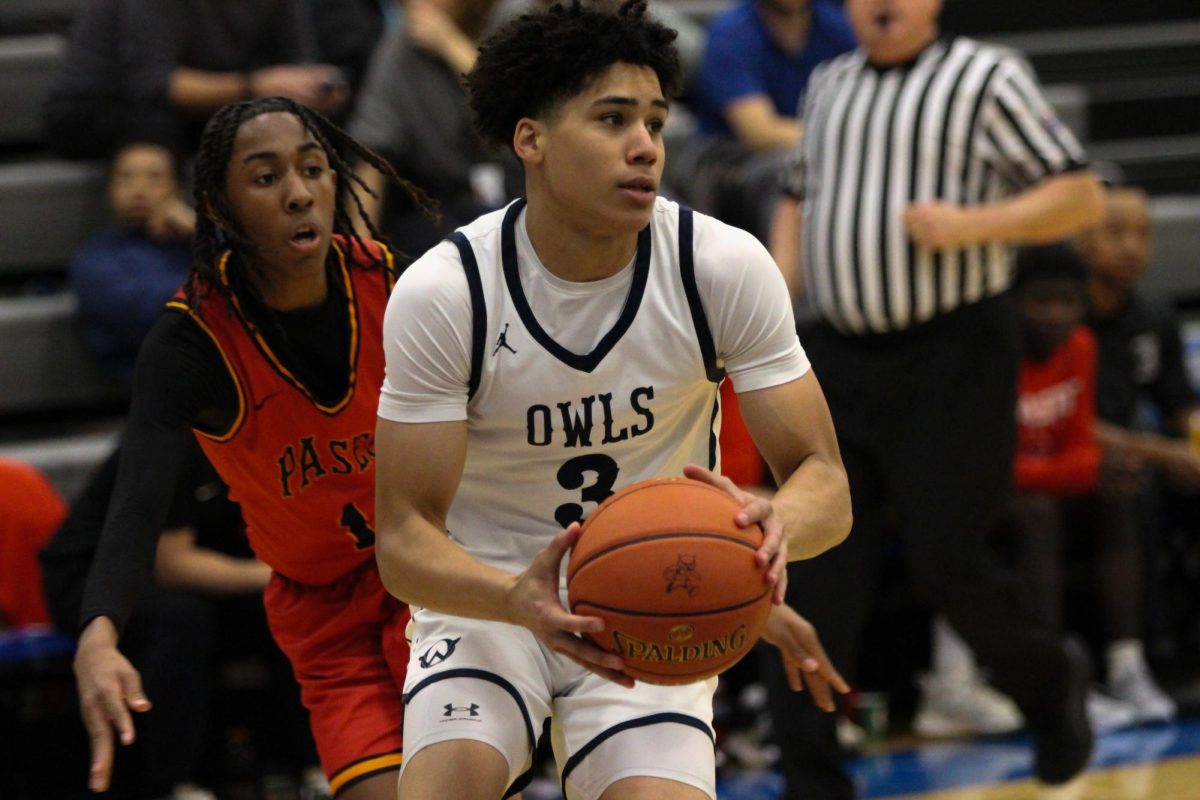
[(1060, 499), (746, 97), (1145, 407), (413, 111), (133, 65), (124, 275)]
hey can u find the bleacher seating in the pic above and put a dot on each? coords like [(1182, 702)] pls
[(26, 68), (1175, 270), (43, 364), (66, 461), (1142, 88), (24, 16), (48, 207)]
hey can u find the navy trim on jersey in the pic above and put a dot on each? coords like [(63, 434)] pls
[(687, 272), (478, 309), (714, 442), (479, 674), (641, 722), (512, 278)]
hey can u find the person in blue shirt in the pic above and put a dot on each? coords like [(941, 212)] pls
[(123, 275), (746, 95)]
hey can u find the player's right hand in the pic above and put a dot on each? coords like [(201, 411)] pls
[(109, 688), (533, 601)]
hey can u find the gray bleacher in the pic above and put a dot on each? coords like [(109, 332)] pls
[(26, 67), (48, 207), (43, 364), (66, 461), (26, 15), (1174, 272)]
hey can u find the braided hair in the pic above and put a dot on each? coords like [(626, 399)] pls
[(217, 229), (539, 60)]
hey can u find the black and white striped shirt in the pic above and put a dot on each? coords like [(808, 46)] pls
[(963, 123)]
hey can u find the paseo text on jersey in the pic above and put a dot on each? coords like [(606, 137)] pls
[(307, 461)]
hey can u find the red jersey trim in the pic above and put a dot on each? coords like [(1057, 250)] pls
[(273, 360), (237, 384)]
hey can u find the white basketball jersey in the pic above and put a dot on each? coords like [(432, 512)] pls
[(552, 433)]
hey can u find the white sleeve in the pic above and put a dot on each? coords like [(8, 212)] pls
[(427, 341), (748, 308)]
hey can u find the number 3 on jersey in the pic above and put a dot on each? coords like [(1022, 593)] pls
[(571, 476)]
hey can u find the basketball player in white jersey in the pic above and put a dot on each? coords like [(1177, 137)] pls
[(545, 356)]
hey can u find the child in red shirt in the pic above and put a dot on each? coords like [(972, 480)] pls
[(1058, 466)]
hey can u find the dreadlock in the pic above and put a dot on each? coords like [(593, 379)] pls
[(217, 229), (540, 59)]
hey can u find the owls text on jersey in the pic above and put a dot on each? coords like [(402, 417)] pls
[(573, 390)]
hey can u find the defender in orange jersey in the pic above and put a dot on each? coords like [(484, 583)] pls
[(271, 357)]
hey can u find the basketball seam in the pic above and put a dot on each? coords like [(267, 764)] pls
[(724, 537), (687, 613), (652, 483)]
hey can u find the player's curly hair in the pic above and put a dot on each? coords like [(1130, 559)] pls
[(218, 229), (538, 60)]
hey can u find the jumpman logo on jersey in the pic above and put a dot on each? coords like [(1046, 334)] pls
[(502, 341)]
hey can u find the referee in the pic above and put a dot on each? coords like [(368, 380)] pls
[(925, 157)]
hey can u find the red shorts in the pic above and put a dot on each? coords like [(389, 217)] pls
[(347, 646)]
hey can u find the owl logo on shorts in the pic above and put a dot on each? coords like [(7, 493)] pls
[(438, 652)]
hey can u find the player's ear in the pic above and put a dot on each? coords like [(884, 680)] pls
[(528, 140)]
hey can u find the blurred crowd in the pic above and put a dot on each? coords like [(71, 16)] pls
[(1099, 532)]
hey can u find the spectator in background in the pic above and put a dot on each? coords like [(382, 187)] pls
[(903, 210), (139, 65), (171, 635), (123, 276), (32, 510), (1056, 472), (745, 95), (88, 108), (413, 110), (348, 32), (1058, 455), (1145, 407)]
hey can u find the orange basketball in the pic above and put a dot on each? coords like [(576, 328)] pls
[(663, 563)]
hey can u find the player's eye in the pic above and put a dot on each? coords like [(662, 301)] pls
[(613, 118), (265, 179), (313, 170), (656, 125)]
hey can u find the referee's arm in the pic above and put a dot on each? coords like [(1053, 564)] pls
[(1048, 211)]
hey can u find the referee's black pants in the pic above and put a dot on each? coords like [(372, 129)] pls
[(926, 424)]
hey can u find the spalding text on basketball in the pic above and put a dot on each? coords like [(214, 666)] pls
[(577, 422), (639, 650)]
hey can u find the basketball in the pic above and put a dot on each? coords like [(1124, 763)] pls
[(663, 563)]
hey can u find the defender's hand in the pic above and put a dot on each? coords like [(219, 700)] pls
[(804, 659), (109, 688)]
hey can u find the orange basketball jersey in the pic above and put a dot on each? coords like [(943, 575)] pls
[(303, 471)]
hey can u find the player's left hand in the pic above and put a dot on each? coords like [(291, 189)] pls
[(804, 659), (939, 226), (772, 555), (533, 602)]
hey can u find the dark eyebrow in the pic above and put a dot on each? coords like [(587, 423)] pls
[(271, 155), (618, 100)]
